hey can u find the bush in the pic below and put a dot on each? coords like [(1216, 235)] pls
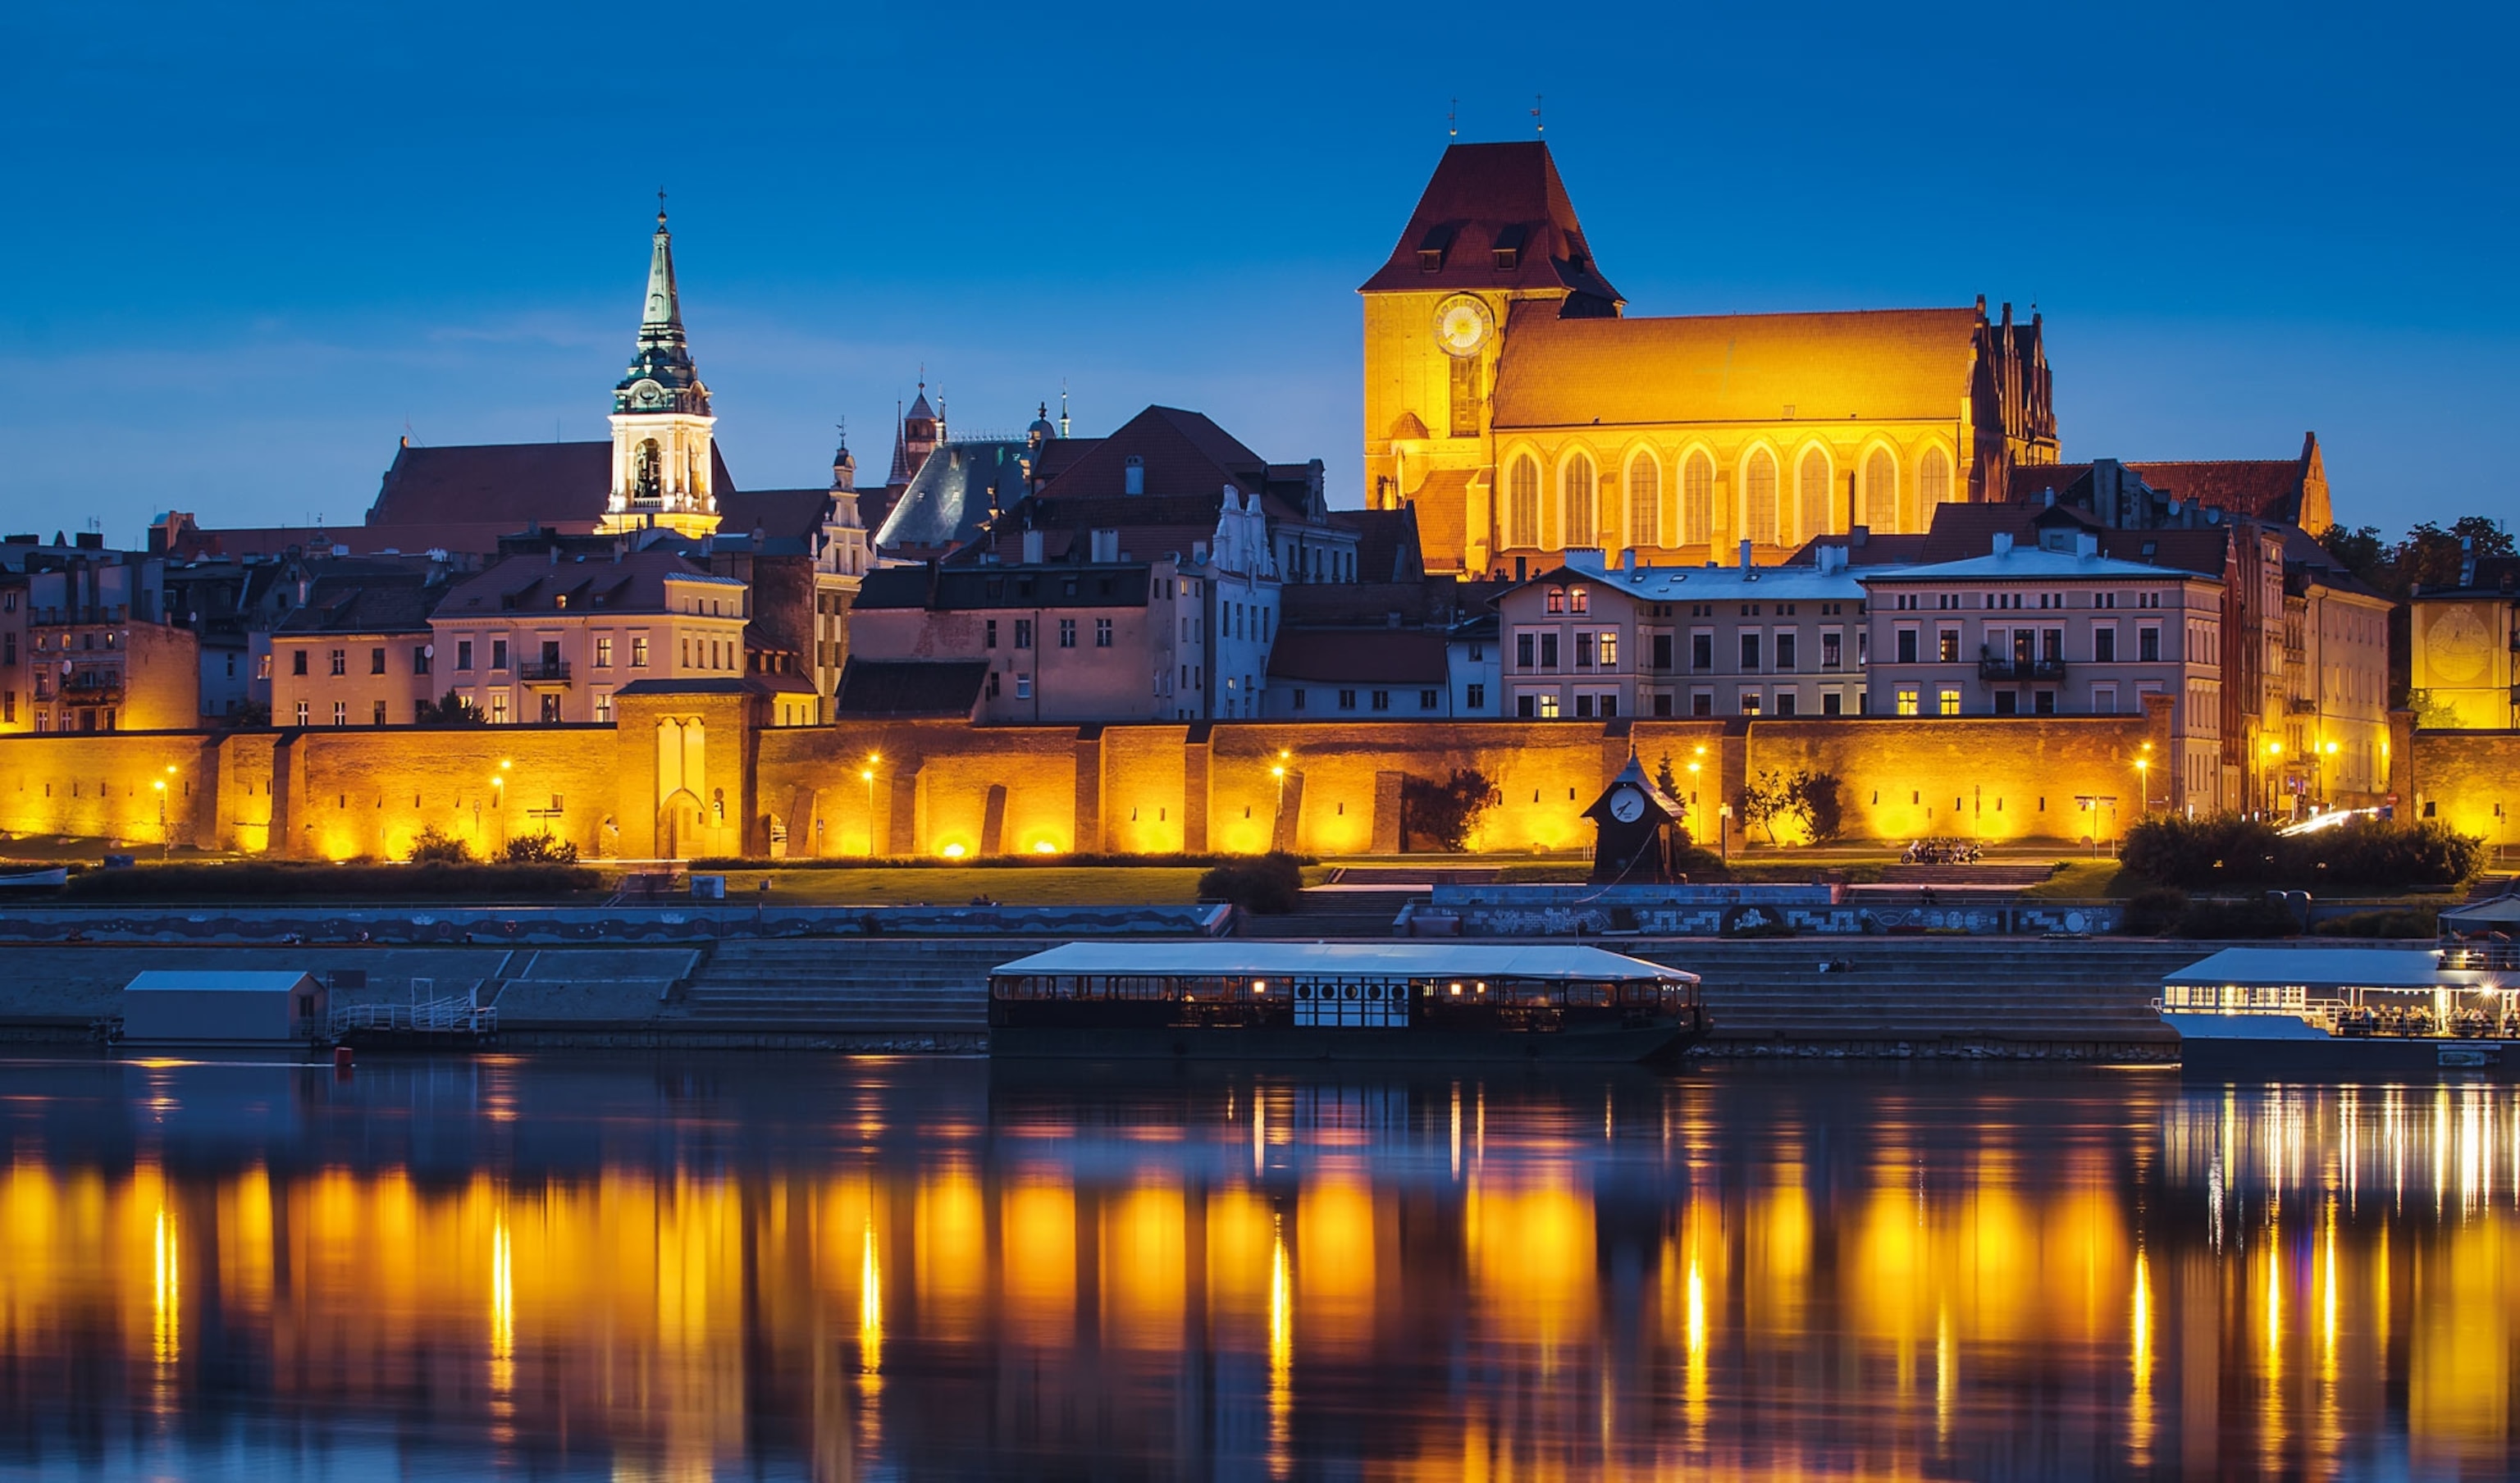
[(2238, 918), (541, 849), (1444, 813), (1268, 886), (2415, 923), (434, 847), (2150, 913), (2228, 852)]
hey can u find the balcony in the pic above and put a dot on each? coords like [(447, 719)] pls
[(1994, 667), (2302, 705), (543, 671), (103, 686)]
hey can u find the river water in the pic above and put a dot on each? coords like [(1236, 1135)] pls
[(793, 1267)]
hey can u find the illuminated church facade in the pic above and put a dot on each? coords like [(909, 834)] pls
[(1517, 407)]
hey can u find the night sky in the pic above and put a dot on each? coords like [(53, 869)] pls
[(250, 244)]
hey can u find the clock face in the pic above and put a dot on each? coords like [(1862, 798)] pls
[(1463, 324), (1627, 805), (647, 394)]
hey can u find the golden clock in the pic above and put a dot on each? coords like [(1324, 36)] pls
[(1463, 325)]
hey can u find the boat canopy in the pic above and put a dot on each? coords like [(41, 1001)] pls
[(1359, 960), (2322, 968), (2502, 914)]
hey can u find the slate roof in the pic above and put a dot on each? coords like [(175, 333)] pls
[(1359, 657), (960, 488), (1387, 549), (364, 603), (2029, 564), (1873, 364), (560, 486), (1184, 453), (1479, 196), (636, 584), (779, 513), (906, 688)]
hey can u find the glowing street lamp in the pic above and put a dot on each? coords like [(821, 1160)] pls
[(165, 835), (1278, 770), (866, 773)]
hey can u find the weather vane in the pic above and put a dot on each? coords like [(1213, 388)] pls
[(1537, 126), (1453, 119), (660, 205)]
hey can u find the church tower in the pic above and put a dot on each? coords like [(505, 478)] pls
[(661, 462)]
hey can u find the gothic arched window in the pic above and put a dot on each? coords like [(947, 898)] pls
[(1698, 500), (1881, 491), (1523, 504), (1759, 497), (1644, 501), (1933, 487), (1812, 496), (1583, 524)]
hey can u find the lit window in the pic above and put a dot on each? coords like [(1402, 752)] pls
[(1522, 503), (1812, 496), (1557, 600), (1933, 487), (1907, 699), (1583, 524), (1759, 494), (1881, 491), (1951, 702), (1549, 707)]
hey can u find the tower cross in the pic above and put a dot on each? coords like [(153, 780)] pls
[(1537, 125), (660, 205)]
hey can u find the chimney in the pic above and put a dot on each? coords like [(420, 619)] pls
[(2086, 544), (1107, 545), (2003, 543), (1628, 561), (1745, 554), (2050, 499), (1032, 548), (1133, 476)]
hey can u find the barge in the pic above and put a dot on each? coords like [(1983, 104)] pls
[(1365, 1002), (2344, 1011)]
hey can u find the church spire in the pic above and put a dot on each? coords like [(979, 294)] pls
[(661, 377), (664, 466)]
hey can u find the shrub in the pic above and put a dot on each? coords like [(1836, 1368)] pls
[(1823, 809), (2415, 923), (2150, 913), (1446, 813), (541, 849), (451, 709), (434, 847), (2227, 850), (2238, 918), (1268, 886)]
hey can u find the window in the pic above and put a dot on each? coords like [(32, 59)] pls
[(1881, 491), (340, 661), (1784, 655), (1522, 650), (1759, 498), (638, 651), (1907, 699), (499, 707), (298, 662), (1382, 699), (1579, 600), (989, 634), (1297, 703), (2104, 645), (1101, 633), (1832, 649), (420, 658), (1023, 633), (1347, 699), (1702, 652), (1582, 649), (463, 655), (603, 705), (2006, 702), (1474, 697), (498, 654), (1644, 501), (1522, 503), (379, 713), (1549, 707), (2043, 702), (1662, 652), (1812, 496), (1426, 699), (1582, 517), (301, 713), (1023, 687), (1948, 645), (1701, 702), (1831, 703), (1749, 654), (376, 661), (1749, 702), (1557, 599), (551, 707), (2147, 644), (1785, 703), (1933, 487), (1067, 633), (2104, 700), (340, 714), (1951, 701), (1698, 500), (1908, 648), (1548, 650), (1526, 706)]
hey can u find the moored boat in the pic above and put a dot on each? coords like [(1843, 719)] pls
[(1382, 1002), (2358, 1011)]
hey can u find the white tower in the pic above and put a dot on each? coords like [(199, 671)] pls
[(662, 465)]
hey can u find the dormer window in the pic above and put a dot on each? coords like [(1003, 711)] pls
[(1507, 247), (1579, 600), (1557, 600), (1432, 246)]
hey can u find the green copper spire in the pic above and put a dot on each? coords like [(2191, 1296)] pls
[(661, 377)]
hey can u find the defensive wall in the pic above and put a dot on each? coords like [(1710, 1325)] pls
[(688, 774)]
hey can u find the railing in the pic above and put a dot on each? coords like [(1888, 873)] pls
[(1990, 667), (85, 688), (554, 670), (428, 1016), (2302, 705)]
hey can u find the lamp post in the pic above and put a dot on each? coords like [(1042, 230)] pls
[(2143, 781), (1278, 819), (866, 773), (164, 845)]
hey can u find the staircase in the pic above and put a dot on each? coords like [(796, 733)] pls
[(879, 988), (1339, 912)]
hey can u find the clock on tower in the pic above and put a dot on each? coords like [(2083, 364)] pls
[(1634, 819)]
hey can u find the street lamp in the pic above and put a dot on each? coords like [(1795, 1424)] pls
[(2143, 780), (867, 774), (165, 844), (1278, 819)]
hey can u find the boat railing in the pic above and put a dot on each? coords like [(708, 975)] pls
[(428, 1016), (2474, 957)]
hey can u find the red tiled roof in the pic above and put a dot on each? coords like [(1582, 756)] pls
[(1443, 506), (2292, 491), (1478, 194), (561, 485), (1875, 364)]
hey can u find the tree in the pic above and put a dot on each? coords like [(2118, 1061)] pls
[(541, 849), (451, 710), (2362, 551), (1770, 798), (1823, 811), (1447, 813), (432, 847)]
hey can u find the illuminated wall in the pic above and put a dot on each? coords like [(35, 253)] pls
[(2468, 780)]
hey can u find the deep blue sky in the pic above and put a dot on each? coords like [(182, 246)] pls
[(248, 244)]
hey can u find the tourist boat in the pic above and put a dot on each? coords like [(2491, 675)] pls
[(1376, 1002), (2378, 1012)]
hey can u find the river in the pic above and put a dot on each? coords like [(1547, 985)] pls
[(801, 1267)]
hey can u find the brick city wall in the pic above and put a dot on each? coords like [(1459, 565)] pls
[(692, 776)]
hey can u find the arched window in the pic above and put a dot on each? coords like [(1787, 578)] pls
[(1881, 492), (1583, 523), (1759, 495), (1579, 600), (1523, 504), (1933, 487), (1557, 600), (1698, 500), (1644, 501), (1812, 495)]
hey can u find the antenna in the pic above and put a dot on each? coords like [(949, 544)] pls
[(1453, 119), (1537, 126)]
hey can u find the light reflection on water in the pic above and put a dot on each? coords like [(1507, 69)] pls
[(794, 1268)]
